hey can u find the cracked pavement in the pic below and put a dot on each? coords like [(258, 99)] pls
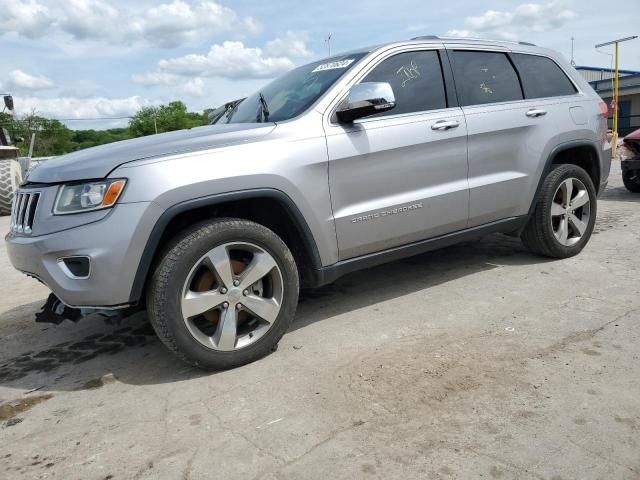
[(476, 361)]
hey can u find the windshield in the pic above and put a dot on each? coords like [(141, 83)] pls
[(292, 93)]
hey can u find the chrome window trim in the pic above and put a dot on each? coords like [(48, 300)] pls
[(579, 91), (407, 117)]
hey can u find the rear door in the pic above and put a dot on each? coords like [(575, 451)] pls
[(510, 126), (400, 176)]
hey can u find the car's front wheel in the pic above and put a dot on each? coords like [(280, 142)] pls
[(564, 215), (223, 293)]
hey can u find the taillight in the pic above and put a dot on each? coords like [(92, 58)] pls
[(604, 110)]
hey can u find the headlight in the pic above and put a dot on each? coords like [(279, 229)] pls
[(86, 197)]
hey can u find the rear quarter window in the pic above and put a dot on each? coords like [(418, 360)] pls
[(542, 77), (485, 77)]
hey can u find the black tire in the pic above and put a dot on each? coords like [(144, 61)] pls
[(166, 286), (10, 180), (538, 234), (631, 180)]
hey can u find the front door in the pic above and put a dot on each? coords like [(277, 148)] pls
[(400, 176)]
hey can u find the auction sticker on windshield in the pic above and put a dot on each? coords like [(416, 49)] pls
[(333, 65)]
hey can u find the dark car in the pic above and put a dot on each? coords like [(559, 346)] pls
[(631, 161)]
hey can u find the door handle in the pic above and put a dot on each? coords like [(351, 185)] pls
[(536, 112), (445, 125)]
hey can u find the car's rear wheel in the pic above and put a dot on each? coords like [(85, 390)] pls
[(565, 214), (224, 293), (631, 180)]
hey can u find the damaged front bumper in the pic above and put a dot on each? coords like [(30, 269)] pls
[(55, 311)]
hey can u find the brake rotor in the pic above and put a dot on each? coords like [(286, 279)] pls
[(206, 281)]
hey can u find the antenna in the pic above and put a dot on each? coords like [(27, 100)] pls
[(328, 42), (573, 62)]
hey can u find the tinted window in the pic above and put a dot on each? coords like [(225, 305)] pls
[(541, 77), (485, 77), (416, 79)]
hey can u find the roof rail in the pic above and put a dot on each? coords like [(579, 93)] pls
[(436, 37)]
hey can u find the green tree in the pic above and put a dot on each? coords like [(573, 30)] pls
[(55, 138), (52, 136), (164, 118), (90, 138)]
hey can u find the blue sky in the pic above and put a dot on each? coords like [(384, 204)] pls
[(74, 59)]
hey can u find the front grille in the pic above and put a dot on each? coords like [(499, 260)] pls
[(23, 211)]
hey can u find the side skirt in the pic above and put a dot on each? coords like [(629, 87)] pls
[(331, 273)]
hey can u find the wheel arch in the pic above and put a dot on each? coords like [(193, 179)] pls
[(269, 207), (582, 153)]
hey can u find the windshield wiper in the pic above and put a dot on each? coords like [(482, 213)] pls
[(265, 108)]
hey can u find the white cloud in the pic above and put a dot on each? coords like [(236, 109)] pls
[(166, 25), (73, 107), (230, 60), (155, 78), (28, 18), (294, 44), (526, 18), (194, 87), (89, 19), (176, 23), (20, 79)]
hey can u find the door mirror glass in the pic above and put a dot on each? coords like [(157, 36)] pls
[(366, 99), (8, 102)]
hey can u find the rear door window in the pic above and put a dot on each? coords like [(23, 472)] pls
[(416, 79), (485, 77), (542, 77)]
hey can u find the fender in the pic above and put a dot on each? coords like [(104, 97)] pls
[(552, 156), (173, 211)]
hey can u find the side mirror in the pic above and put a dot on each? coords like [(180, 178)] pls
[(366, 99), (8, 102), (5, 138)]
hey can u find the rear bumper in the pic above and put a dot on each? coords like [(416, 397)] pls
[(113, 245)]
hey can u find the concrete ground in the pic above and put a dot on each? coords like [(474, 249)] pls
[(477, 361)]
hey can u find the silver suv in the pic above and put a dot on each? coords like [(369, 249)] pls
[(338, 165)]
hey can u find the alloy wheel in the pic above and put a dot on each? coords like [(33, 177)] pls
[(570, 211), (232, 296)]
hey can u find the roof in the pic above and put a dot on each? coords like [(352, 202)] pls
[(485, 42), (469, 39)]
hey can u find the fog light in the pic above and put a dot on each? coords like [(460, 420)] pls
[(75, 267)]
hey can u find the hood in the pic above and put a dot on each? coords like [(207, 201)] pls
[(97, 162)]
